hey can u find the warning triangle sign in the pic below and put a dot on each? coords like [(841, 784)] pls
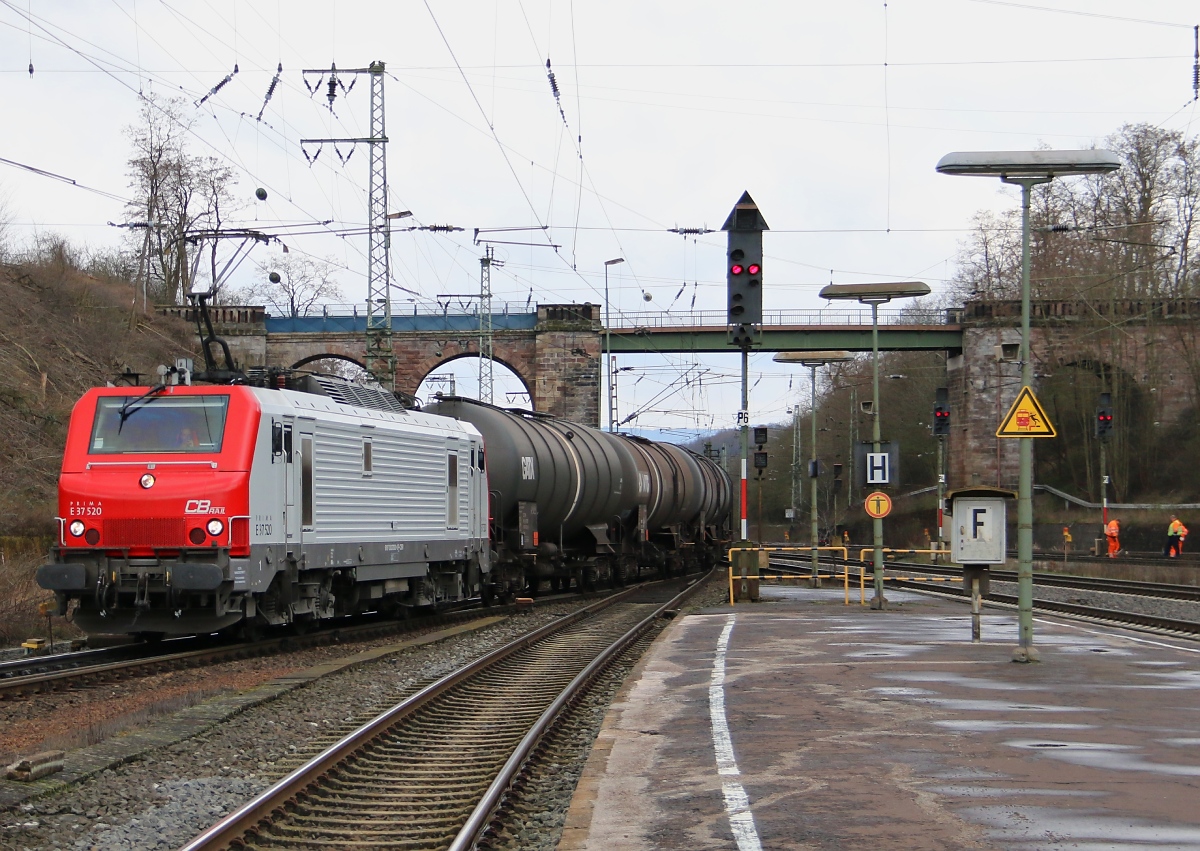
[(1026, 418)]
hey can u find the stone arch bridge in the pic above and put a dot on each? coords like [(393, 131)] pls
[(556, 352)]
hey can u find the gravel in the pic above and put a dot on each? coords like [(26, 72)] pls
[(533, 815), (164, 799), (1183, 610)]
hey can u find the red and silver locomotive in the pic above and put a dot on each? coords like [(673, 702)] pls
[(191, 509)]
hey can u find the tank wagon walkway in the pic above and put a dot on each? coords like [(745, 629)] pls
[(797, 723)]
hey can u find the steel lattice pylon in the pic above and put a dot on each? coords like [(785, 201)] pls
[(381, 357), (485, 325)]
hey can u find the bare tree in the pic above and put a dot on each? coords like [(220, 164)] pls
[(6, 220), (1132, 233), (175, 194), (303, 283)]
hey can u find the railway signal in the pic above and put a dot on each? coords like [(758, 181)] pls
[(744, 227), (941, 412), (941, 419), (1104, 416)]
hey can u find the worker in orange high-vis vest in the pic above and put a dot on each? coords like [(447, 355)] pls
[(1113, 532), (1176, 532)]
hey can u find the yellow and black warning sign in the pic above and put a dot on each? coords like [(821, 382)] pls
[(1026, 418)]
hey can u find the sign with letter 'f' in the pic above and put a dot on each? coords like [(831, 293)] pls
[(879, 468), (978, 533)]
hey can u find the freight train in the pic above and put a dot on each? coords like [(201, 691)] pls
[(277, 497)]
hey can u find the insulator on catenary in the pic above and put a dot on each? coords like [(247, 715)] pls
[(553, 85), (332, 93), (215, 88), (270, 91), (31, 70)]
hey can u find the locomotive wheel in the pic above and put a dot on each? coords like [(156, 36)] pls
[(150, 637), (487, 596)]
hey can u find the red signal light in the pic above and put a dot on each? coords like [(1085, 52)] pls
[(736, 269), (753, 268)]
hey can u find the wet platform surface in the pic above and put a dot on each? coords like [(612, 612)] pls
[(849, 728)]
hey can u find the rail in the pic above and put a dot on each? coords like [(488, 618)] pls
[(247, 818)]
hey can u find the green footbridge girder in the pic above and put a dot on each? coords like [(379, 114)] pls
[(851, 338)]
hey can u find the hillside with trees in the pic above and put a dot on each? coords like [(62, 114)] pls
[(69, 324)]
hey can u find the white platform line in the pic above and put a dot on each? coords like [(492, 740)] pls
[(737, 802)]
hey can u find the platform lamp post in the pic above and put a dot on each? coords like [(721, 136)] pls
[(1026, 169), (612, 425), (813, 360), (875, 295)]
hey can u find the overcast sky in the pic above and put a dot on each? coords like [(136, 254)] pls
[(831, 115)]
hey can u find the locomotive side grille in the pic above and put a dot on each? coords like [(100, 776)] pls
[(144, 532)]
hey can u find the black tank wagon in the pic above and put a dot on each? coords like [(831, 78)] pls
[(569, 502)]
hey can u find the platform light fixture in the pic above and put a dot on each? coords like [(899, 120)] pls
[(814, 360), (1026, 169), (876, 294)]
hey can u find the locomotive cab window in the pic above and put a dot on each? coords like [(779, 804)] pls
[(158, 423), (452, 491)]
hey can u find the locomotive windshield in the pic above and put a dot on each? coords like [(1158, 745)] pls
[(159, 424)]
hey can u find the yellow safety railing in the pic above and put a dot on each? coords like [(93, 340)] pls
[(843, 550), (862, 573), (862, 554)]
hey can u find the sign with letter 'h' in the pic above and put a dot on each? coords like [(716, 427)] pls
[(878, 468)]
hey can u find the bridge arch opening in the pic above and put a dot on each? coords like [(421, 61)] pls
[(459, 376)]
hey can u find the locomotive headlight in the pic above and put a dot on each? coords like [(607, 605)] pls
[(76, 528), (215, 527), (147, 481)]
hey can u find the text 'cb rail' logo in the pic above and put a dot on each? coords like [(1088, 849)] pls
[(202, 506)]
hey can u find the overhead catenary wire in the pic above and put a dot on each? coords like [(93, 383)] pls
[(44, 28)]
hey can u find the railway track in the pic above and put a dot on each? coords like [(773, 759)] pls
[(86, 668), (1097, 614), (1081, 583), (431, 772), (1106, 615)]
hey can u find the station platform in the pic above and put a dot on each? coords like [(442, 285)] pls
[(801, 723)]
